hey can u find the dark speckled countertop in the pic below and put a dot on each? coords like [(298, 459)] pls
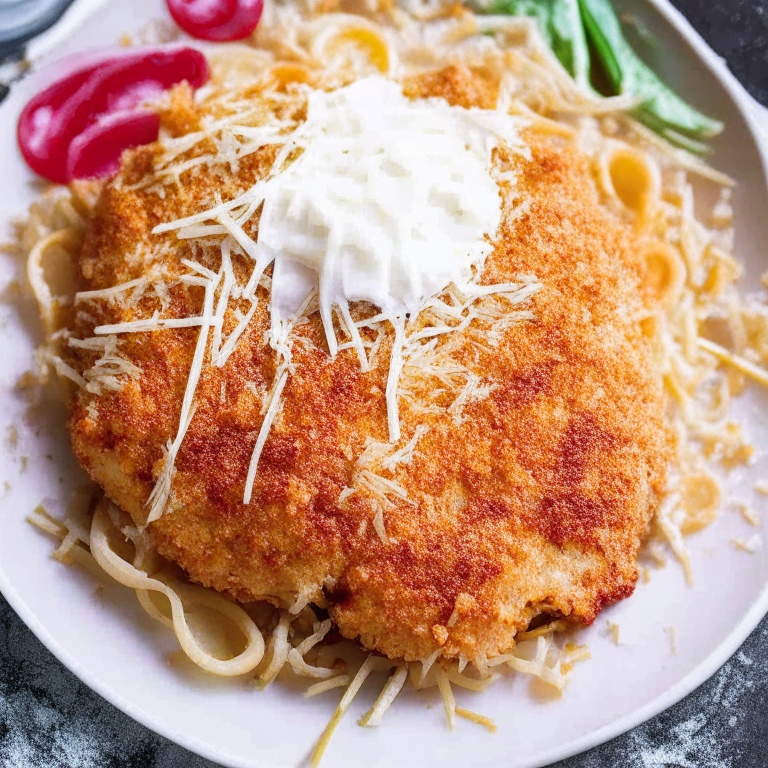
[(48, 719)]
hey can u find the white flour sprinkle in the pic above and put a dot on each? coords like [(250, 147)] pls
[(49, 718), (688, 747), (706, 730)]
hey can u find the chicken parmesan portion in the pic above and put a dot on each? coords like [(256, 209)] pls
[(531, 444)]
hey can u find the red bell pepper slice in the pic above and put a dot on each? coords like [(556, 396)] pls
[(96, 152), (108, 92), (218, 20)]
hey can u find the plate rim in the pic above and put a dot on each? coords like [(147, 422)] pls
[(748, 108)]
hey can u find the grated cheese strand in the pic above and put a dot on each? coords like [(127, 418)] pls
[(162, 490), (108, 293), (389, 201), (426, 665), (759, 374), (447, 693), (327, 685), (476, 718), (314, 639), (369, 665), (396, 364), (673, 534), (386, 697), (266, 425), (224, 296)]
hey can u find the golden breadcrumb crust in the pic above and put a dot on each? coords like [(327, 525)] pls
[(536, 502)]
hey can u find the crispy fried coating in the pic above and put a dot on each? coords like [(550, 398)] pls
[(533, 501)]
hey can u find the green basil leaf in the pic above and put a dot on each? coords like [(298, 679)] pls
[(560, 24), (661, 109)]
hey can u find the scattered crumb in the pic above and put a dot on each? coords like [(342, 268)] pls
[(646, 572), (747, 512), (177, 659), (24, 463), (761, 486), (672, 632), (613, 629), (750, 545), (27, 380), (12, 441), (99, 589), (576, 653)]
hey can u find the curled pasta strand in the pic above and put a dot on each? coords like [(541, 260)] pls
[(300, 667), (332, 33), (447, 693), (279, 647), (67, 238), (130, 576), (145, 601), (630, 178), (470, 683)]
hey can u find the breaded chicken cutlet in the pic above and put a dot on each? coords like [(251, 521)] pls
[(532, 501)]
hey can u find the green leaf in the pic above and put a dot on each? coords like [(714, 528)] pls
[(661, 109), (560, 24)]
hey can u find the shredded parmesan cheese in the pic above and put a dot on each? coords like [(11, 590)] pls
[(475, 718), (340, 681), (369, 665), (672, 634), (386, 697), (386, 200)]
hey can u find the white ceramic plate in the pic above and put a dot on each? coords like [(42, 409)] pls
[(117, 650)]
